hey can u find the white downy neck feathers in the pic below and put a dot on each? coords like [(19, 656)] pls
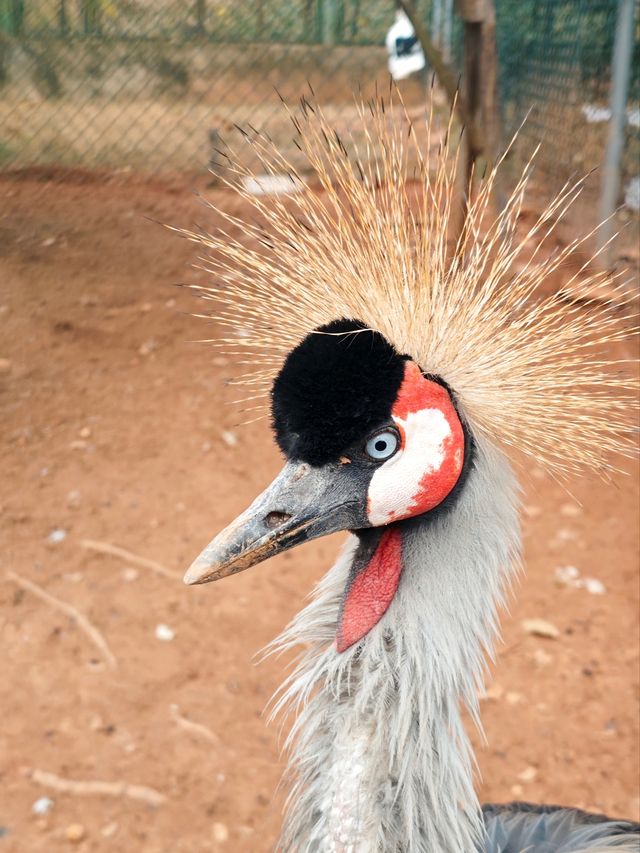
[(382, 763)]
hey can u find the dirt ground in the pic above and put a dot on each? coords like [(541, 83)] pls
[(114, 428)]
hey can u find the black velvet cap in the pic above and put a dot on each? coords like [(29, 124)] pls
[(336, 386)]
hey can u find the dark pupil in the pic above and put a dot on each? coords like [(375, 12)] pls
[(381, 445)]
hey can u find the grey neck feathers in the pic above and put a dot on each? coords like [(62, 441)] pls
[(379, 759)]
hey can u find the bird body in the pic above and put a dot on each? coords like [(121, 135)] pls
[(383, 736), (516, 827), (399, 376)]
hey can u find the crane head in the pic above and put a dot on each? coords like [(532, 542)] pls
[(369, 441)]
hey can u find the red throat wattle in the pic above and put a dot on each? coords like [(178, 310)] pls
[(371, 592)]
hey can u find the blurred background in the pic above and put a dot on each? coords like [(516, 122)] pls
[(132, 707), (153, 87)]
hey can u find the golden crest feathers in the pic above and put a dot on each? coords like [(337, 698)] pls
[(374, 244)]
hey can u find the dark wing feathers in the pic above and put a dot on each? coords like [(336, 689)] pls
[(519, 827)]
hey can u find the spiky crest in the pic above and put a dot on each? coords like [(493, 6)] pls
[(527, 368)]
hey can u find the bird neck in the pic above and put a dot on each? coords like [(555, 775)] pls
[(379, 756)]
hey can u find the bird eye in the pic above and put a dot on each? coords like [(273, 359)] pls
[(382, 445)]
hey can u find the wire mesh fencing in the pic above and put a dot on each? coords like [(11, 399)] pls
[(555, 61), (154, 85)]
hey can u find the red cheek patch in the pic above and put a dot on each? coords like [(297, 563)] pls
[(417, 393), (372, 591)]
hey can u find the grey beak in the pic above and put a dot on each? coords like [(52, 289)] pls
[(302, 503)]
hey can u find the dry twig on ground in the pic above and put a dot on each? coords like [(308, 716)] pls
[(128, 556), (79, 618), (189, 726), (98, 788)]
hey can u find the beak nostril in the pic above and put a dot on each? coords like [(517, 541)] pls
[(276, 519), (302, 471)]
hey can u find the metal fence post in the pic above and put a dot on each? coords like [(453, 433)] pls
[(620, 73), (446, 30), (436, 22), (330, 17)]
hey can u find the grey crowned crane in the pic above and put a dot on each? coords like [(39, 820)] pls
[(400, 374)]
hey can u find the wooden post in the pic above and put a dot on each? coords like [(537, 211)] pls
[(476, 103), (480, 88), (472, 87), (471, 11), (491, 123), (447, 78), (480, 78)]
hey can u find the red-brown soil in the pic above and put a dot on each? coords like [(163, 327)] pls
[(111, 429)]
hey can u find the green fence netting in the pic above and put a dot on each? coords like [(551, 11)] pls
[(152, 85), (555, 63), (147, 85), (291, 21)]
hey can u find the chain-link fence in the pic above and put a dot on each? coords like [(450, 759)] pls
[(555, 62), (154, 84), (221, 21)]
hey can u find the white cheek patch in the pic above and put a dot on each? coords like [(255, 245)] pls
[(395, 485)]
